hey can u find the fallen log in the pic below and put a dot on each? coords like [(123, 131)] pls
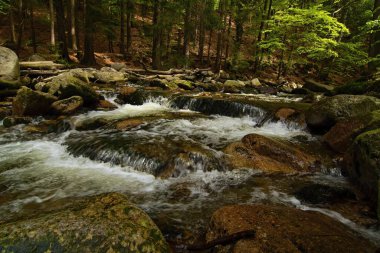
[(34, 73), (41, 65)]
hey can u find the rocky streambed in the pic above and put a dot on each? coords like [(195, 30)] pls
[(164, 165)]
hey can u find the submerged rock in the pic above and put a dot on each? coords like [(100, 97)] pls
[(324, 194), (9, 69), (13, 121), (105, 223), (325, 113), (283, 229), (32, 103), (67, 106), (363, 165), (265, 154)]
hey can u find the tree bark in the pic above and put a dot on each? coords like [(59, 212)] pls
[(130, 10), (89, 29), (375, 40), (62, 42), (52, 23), (156, 55), (21, 13), (32, 27), (12, 23), (122, 27), (260, 37), (73, 25), (186, 38)]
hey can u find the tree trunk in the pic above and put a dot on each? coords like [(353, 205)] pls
[(375, 40), (12, 23), (52, 23), (186, 38), (228, 39), (62, 43), (122, 27), (73, 25), (156, 59), (260, 37), (130, 11), (21, 13), (32, 27), (89, 29), (202, 34), (209, 46)]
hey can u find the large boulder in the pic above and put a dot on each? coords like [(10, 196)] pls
[(109, 75), (105, 223), (67, 106), (269, 155), (283, 229), (32, 103), (233, 86), (71, 84), (9, 69), (327, 112), (363, 165)]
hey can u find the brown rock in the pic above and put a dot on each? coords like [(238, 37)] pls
[(68, 106), (128, 124), (125, 91), (262, 153), (340, 137), (284, 229), (104, 104), (284, 113)]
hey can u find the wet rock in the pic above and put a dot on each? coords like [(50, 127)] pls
[(108, 76), (44, 127), (255, 82), (9, 69), (233, 86), (91, 124), (363, 165), (324, 194), (13, 121), (128, 124), (69, 84), (4, 112), (118, 66), (32, 103), (161, 83), (105, 223), (131, 95), (341, 135), (283, 229), (67, 106), (268, 155), (105, 104), (183, 84), (315, 86), (285, 113), (327, 112)]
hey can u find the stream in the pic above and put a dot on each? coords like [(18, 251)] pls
[(39, 170)]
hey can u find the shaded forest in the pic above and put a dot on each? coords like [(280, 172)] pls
[(322, 37)]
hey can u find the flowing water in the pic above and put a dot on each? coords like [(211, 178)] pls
[(38, 170)]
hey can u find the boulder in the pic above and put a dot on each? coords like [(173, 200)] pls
[(255, 82), (326, 113), (131, 95), (283, 229), (363, 165), (105, 223), (118, 66), (13, 121), (233, 86), (128, 124), (109, 76), (268, 155), (9, 69), (315, 86), (32, 103), (36, 57), (69, 84), (67, 106), (183, 84), (105, 104)]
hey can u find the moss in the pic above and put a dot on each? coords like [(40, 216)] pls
[(355, 88)]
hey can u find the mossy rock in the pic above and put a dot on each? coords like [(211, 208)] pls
[(354, 88), (105, 223)]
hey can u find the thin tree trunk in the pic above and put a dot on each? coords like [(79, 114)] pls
[(62, 43), (186, 38), (122, 27), (20, 26), (130, 11), (89, 29), (52, 23), (219, 38), (228, 39), (32, 27), (202, 34), (156, 59), (260, 37), (73, 25), (12, 23), (209, 46), (375, 40)]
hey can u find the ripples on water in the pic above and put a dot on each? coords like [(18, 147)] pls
[(35, 170)]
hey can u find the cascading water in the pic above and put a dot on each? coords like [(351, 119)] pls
[(179, 140)]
